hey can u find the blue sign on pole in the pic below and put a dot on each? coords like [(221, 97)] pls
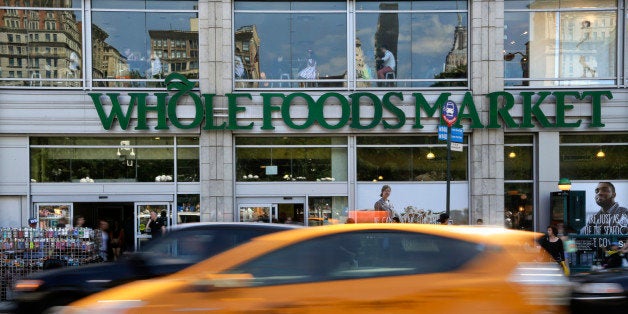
[(457, 135), (442, 132)]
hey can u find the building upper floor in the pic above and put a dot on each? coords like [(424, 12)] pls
[(319, 45)]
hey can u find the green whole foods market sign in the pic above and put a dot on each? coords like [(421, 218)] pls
[(501, 103)]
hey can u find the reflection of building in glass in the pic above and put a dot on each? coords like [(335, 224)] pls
[(40, 45), (117, 66), (361, 68), (107, 62), (584, 46), (457, 56), (388, 29), (456, 60), (586, 41), (99, 46), (248, 42), (173, 51)]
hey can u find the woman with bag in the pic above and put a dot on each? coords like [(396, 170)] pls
[(555, 247)]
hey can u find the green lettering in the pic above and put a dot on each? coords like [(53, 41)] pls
[(509, 102), (401, 116), (209, 114), (561, 107), (285, 111), (233, 111), (198, 116), (160, 108), (319, 114), (355, 110), (596, 106), (530, 110), (467, 102), (116, 111), (421, 103), (268, 109)]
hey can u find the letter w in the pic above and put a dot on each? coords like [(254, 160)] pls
[(116, 109)]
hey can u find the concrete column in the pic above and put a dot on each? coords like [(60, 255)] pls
[(217, 198), (548, 175), (487, 72)]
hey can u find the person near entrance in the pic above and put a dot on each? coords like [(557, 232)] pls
[(155, 226), (384, 204), (104, 246)]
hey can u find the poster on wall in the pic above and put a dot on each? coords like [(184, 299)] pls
[(614, 220), (418, 203)]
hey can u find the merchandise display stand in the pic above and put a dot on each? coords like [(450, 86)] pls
[(24, 251)]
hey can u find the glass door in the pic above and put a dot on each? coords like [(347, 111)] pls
[(257, 212), (54, 215), (142, 216)]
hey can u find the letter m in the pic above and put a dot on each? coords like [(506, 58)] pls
[(116, 109)]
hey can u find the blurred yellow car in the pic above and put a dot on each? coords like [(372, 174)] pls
[(357, 268)]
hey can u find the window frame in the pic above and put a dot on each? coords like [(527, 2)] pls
[(564, 82), (84, 79), (351, 82)]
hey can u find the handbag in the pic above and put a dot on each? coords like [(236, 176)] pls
[(565, 268)]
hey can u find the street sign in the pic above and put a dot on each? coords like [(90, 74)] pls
[(457, 134), (450, 112), (442, 132), (457, 147)]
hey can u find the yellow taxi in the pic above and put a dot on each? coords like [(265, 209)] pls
[(357, 268)]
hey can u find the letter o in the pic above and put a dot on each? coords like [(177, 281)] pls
[(285, 111), (198, 118), (320, 117)]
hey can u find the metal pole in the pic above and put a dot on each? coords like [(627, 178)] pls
[(448, 165)]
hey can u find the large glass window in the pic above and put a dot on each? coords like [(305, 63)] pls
[(328, 210), (41, 44), (291, 159), (408, 158), (143, 43), (519, 182), (560, 43), (284, 44), (188, 208), (594, 156), (133, 43), (88, 160)]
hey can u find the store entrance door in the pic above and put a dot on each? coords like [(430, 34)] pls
[(258, 212), (278, 210), (142, 216)]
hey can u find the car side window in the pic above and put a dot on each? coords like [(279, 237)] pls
[(363, 254), (195, 245), (185, 246)]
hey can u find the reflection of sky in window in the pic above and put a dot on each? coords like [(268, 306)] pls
[(422, 46), (286, 5), (130, 29), (516, 36), (290, 35)]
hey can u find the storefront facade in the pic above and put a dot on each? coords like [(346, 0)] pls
[(274, 111)]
